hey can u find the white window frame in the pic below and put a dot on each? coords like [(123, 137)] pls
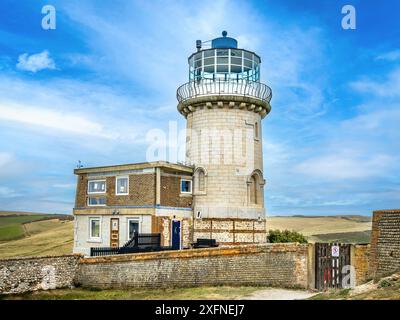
[(116, 186), (91, 238), (97, 192), (191, 186), (95, 205), (136, 219)]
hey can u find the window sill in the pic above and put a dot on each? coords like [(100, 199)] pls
[(186, 194), (94, 240)]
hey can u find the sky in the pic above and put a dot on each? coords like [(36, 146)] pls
[(91, 89)]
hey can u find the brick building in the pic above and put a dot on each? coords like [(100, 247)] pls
[(219, 193), (113, 202)]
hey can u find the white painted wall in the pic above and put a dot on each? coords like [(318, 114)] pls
[(82, 242)]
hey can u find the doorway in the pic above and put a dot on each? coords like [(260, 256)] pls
[(330, 258), (176, 234), (114, 239)]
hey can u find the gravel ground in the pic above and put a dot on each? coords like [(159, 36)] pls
[(279, 294)]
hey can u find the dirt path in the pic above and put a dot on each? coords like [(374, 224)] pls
[(279, 294)]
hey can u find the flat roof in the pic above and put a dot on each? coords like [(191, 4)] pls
[(136, 166)]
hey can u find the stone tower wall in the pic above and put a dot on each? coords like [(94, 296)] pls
[(222, 141)]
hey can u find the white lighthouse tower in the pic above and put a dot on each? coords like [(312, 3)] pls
[(224, 103)]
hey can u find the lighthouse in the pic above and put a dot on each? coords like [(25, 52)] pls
[(224, 103)]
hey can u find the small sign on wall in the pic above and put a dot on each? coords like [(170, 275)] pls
[(335, 251), (114, 225)]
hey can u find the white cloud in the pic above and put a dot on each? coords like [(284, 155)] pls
[(346, 166), (6, 192), (388, 87), (64, 185), (389, 56), (5, 159), (35, 62), (70, 122)]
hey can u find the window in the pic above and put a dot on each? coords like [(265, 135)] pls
[(199, 180), (133, 227), (97, 186), (94, 228), (96, 201), (256, 130), (209, 53), (186, 186), (122, 185), (254, 187)]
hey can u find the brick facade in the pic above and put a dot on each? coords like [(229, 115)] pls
[(171, 192), (360, 260), (385, 243), (141, 191), (230, 231)]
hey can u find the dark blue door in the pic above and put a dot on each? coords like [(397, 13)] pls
[(176, 235)]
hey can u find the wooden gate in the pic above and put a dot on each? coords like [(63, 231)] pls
[(330, 258)]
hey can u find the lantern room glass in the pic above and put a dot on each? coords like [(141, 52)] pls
[(224, 64)]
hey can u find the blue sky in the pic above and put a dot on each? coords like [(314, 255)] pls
[(92, 88)]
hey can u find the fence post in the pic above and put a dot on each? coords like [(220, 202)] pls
[(136, 236)]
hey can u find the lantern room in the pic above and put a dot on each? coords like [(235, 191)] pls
[(224, 61)]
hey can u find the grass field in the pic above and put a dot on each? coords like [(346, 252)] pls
[(52, 237), (350, 229), (200, 293), (12, 227), (33, 234)]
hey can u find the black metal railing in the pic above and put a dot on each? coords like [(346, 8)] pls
[(204, 87), (144, 240), (140, 242)]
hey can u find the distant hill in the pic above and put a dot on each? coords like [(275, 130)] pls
[(12, 223), (343, 228), (24, 213)]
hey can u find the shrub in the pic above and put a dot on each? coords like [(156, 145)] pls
[(278, 236), (385, 283)]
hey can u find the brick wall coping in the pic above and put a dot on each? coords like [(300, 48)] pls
[(196, 253), (387, 211), (134, 166), (77, 255)]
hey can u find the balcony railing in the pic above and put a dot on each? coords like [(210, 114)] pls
[(221, 87)]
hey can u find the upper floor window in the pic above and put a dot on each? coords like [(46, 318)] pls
[(122, 186), (186, 186), (97, 186), (96, 201)]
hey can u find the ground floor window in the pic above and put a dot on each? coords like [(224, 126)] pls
[(133, 226), (94, 228)]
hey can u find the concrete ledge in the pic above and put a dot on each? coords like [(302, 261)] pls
[(77, 255)]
